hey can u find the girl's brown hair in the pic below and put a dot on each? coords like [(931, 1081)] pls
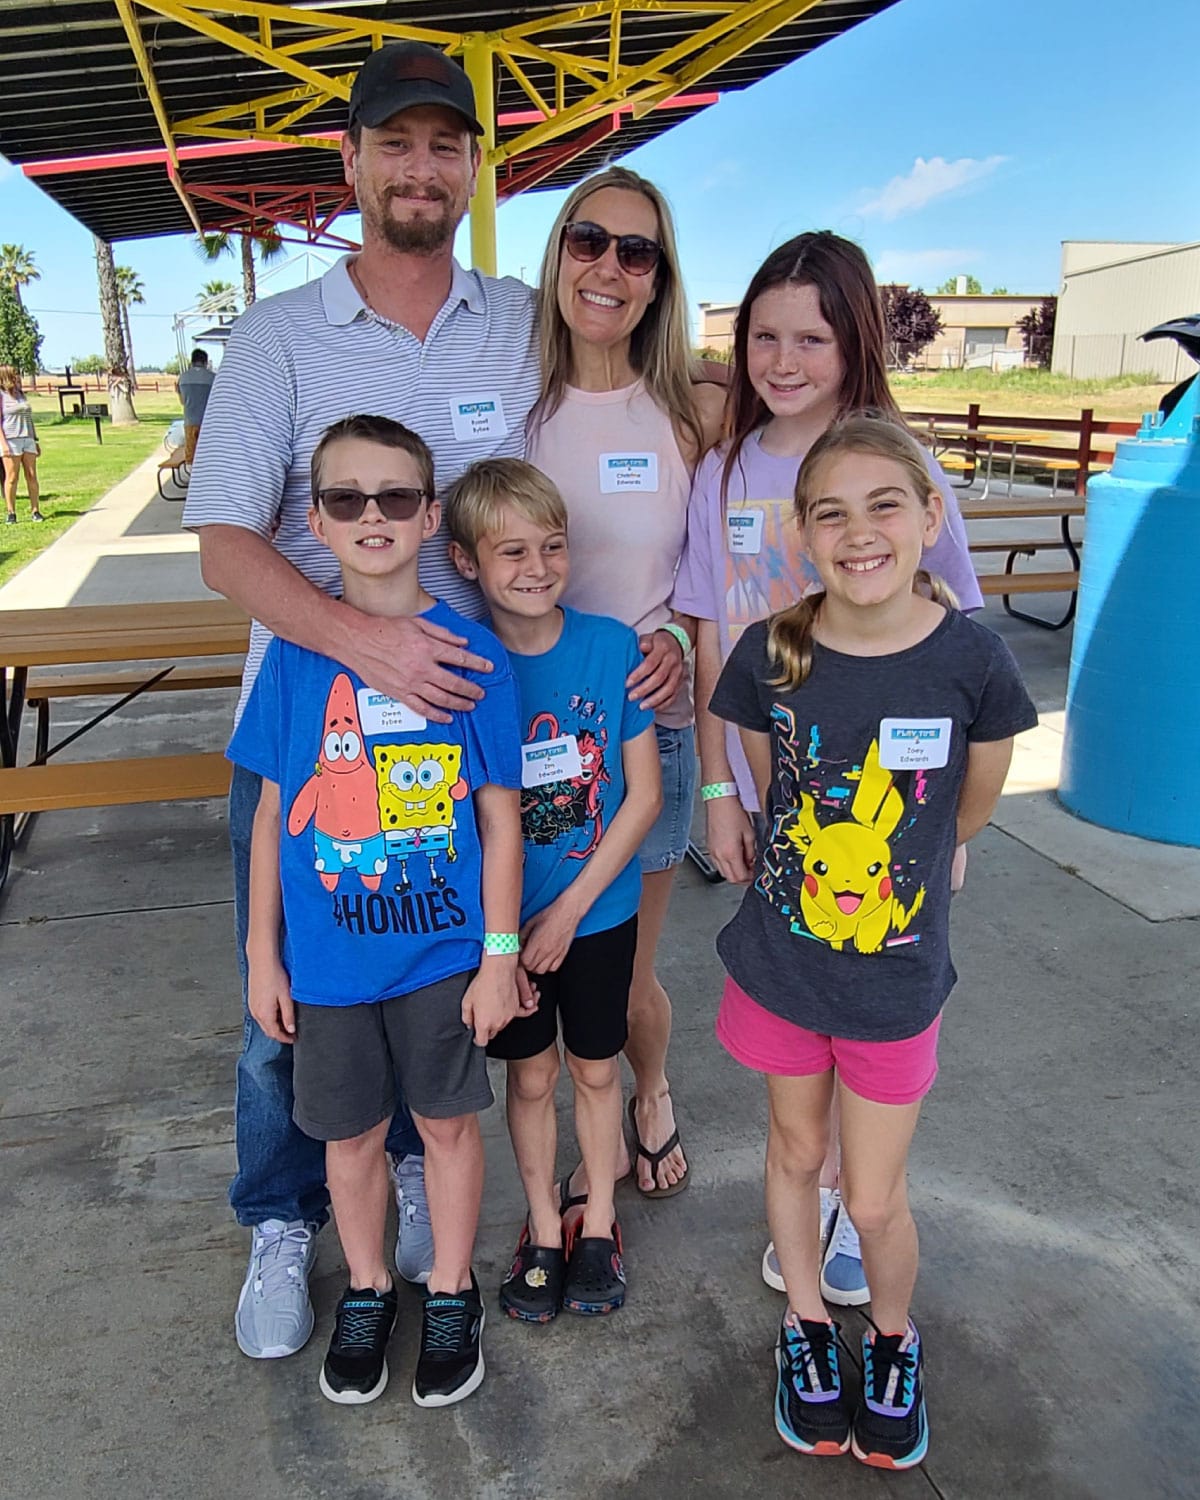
[(660, 346), (849, 298), (789, 634), (10, 380)]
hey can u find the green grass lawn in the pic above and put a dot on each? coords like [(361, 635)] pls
[(1030, 393), (74, 470)]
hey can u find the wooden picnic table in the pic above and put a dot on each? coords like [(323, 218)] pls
[(1008, 583), (163, 631)]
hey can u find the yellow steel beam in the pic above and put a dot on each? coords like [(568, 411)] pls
[(480, 69), (320, 20), (716, 44), (514, 67), (134, 32)]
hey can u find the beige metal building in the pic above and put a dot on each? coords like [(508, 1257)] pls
[(979, 332), (1111, 293)]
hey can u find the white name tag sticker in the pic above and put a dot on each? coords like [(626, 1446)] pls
[(914, 744), (379, 714), (628, 471), (544, 761), (477, 416), (744, 530)]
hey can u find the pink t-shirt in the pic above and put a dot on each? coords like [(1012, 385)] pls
[(742, 561), (614, 457)]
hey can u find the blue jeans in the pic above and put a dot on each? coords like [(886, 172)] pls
[(281, 1171)]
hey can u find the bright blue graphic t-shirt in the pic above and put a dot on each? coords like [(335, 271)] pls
[(575, 716), (379, 855)]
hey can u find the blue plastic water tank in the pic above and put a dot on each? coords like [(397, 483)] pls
[(1131, 757)]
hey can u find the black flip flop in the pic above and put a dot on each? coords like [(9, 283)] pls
[(655, 1158)]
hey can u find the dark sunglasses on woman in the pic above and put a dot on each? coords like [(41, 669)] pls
[(586, 241), (396, 503)]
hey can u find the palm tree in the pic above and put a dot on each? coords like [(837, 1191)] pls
[(130, 293), (120, 393), (17, 268), (216, 244), (218, 297)]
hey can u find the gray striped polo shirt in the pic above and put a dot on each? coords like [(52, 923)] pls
[(306, 358)]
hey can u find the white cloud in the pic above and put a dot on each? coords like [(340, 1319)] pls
[(928, 180), (913, 266)]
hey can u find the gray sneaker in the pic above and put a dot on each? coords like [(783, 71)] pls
[(414, 1232), (274, 1316)]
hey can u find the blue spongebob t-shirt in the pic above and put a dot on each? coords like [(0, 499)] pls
[(379, 857), (575, 716)]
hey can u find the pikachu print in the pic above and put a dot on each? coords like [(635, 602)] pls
[(846, 886)]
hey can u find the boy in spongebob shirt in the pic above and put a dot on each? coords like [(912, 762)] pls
[(391, 850)]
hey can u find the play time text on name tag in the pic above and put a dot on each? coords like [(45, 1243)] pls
[(544, 761), (478, 416), (628, 471), (914, 744), (379, 714), (744, 530)]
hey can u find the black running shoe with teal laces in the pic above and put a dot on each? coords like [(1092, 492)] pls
[(450, 1365), (355, 1369), (891, 1429), (811, 1414)]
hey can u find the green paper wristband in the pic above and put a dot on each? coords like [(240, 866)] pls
[(681, 636), (497, 944), (716, 789)]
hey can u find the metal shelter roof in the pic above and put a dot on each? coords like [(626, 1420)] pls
[(146, 117)]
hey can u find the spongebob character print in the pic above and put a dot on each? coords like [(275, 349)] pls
[(845, 927), (379, 853)]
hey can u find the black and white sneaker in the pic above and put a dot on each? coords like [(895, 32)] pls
[(355, 1369), (450, 1365), (811, 1414)]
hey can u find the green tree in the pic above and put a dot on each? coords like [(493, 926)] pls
[(949, 287), (88, 364), (20, 341), (267, 245), (17, 268), (116, 356), (131, 293), (998, 291), (222, 294)]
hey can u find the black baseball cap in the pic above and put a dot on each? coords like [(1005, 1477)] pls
[(406, 74)]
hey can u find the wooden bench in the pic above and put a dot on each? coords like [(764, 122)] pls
[(179, 471), (125, 685), (114, 783), (1009, 583)]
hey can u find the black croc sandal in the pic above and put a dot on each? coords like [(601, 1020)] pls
[(532, 1291), (595, 1282)]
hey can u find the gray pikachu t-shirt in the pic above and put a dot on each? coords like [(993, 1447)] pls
[(845, 929)]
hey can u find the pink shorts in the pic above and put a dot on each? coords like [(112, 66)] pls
[(884, 1072)]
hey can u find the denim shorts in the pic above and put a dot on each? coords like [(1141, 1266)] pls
[(666, 844), (22, 445)]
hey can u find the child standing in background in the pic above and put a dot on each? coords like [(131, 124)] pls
[(877, 725)]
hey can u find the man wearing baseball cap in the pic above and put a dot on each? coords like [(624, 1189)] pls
[(400, 330)]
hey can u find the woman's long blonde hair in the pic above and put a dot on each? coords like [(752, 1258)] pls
[(660, 347), (10, 380), (790, 632)]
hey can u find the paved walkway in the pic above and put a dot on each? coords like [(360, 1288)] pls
[(1053, 1177)]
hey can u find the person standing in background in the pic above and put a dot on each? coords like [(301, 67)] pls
[(192, 388), (19, 446)]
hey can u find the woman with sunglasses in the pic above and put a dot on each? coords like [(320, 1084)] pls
[(620, 427)]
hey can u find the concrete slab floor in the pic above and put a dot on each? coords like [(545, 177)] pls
[(1053, 1178)]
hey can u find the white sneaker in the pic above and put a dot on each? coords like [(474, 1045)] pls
[(771, 1273), (843, 1280), (274, 1316), (414, 1231)]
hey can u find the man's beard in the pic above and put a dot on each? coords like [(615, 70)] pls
[(416, 236)]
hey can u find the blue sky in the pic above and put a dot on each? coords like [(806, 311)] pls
[(945, 136)]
